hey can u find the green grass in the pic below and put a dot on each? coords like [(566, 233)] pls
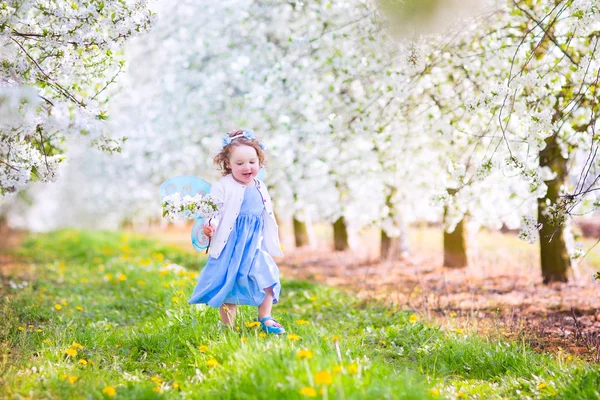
[(131, 323)]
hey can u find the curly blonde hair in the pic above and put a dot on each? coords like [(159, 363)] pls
[(221, 160)]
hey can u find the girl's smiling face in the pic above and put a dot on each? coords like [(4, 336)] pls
[(244, 164)]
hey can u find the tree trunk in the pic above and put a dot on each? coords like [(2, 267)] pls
[(340, 235), (553, 249), (455, 247), (300, 233), (393, 248)]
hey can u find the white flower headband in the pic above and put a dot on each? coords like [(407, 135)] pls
[(247, 133)]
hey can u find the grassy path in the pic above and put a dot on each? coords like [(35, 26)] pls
[(105, 315)]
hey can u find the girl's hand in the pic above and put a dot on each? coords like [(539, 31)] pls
[(209, 230)]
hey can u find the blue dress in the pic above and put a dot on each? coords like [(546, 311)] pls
[(244, 269)]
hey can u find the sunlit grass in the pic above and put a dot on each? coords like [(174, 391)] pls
[(106, 314)]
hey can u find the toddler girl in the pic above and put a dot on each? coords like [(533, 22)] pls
[(244, 236)]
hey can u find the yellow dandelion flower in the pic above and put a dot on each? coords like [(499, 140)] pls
[(58, 307), (30, 326), (156, 379), (452, 314), (156, 390), (293, 337), (308, 391), (323, 378), (166, 285), (108, 277), (76, 345), (413, 318), (101, 268), (459, 331), (175, 299), (244, 339), (203, 348), (337, 369), (71, 352), (47, 341), (335, 338), (72, 379), (352, 369), (302, 322), (163, 272), (110, 391), (180, 292), (122, 277), (175, 385), (84, 280), (79, 308), (39, 330), (141, 282), (434, 392), (461, 395), (304, 353), (237, 328), (262, 334), (252, 324), (326, 338), (21, 328), (82, 361), (542, 385), (212, 363), (383, 342), (313, 298)]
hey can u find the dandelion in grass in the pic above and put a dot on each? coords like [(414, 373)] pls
[(337, 369), (313, 298), (203, 349), (122, 277), (70, 378), (461, 395), (21, 328), (262, 335), (542, 385), (293, 338), (58, 307), (308, 391), (71, 352), (383, 342), (175, 385), (253, 324), (156, 390), (244, 339), (77, 346), (47, 341), (352, 369), (413, 318), (175, 299), (212, 363), (459, 331), (335, 338), (83, 362), (84, 280), (141, 283), (434, 392), (323, 378), (79, 308), (304, 353), (302, 322), (110, 391), (107, 277)]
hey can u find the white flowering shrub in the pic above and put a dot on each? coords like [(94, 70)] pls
[(57, 60)]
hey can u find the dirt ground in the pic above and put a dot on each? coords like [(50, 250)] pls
[(502, 300)]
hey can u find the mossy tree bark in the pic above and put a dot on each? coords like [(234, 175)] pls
[(300, 233), (455, 246), (340, 235), (554, 256)]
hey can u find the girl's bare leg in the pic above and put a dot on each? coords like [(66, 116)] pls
[(227, 313), (265, 307)]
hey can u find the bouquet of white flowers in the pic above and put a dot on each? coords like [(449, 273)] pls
[(176, 207)]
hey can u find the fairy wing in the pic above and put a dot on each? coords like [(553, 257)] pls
[(189, 185)]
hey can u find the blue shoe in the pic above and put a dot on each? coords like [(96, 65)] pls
[(276, 329)]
